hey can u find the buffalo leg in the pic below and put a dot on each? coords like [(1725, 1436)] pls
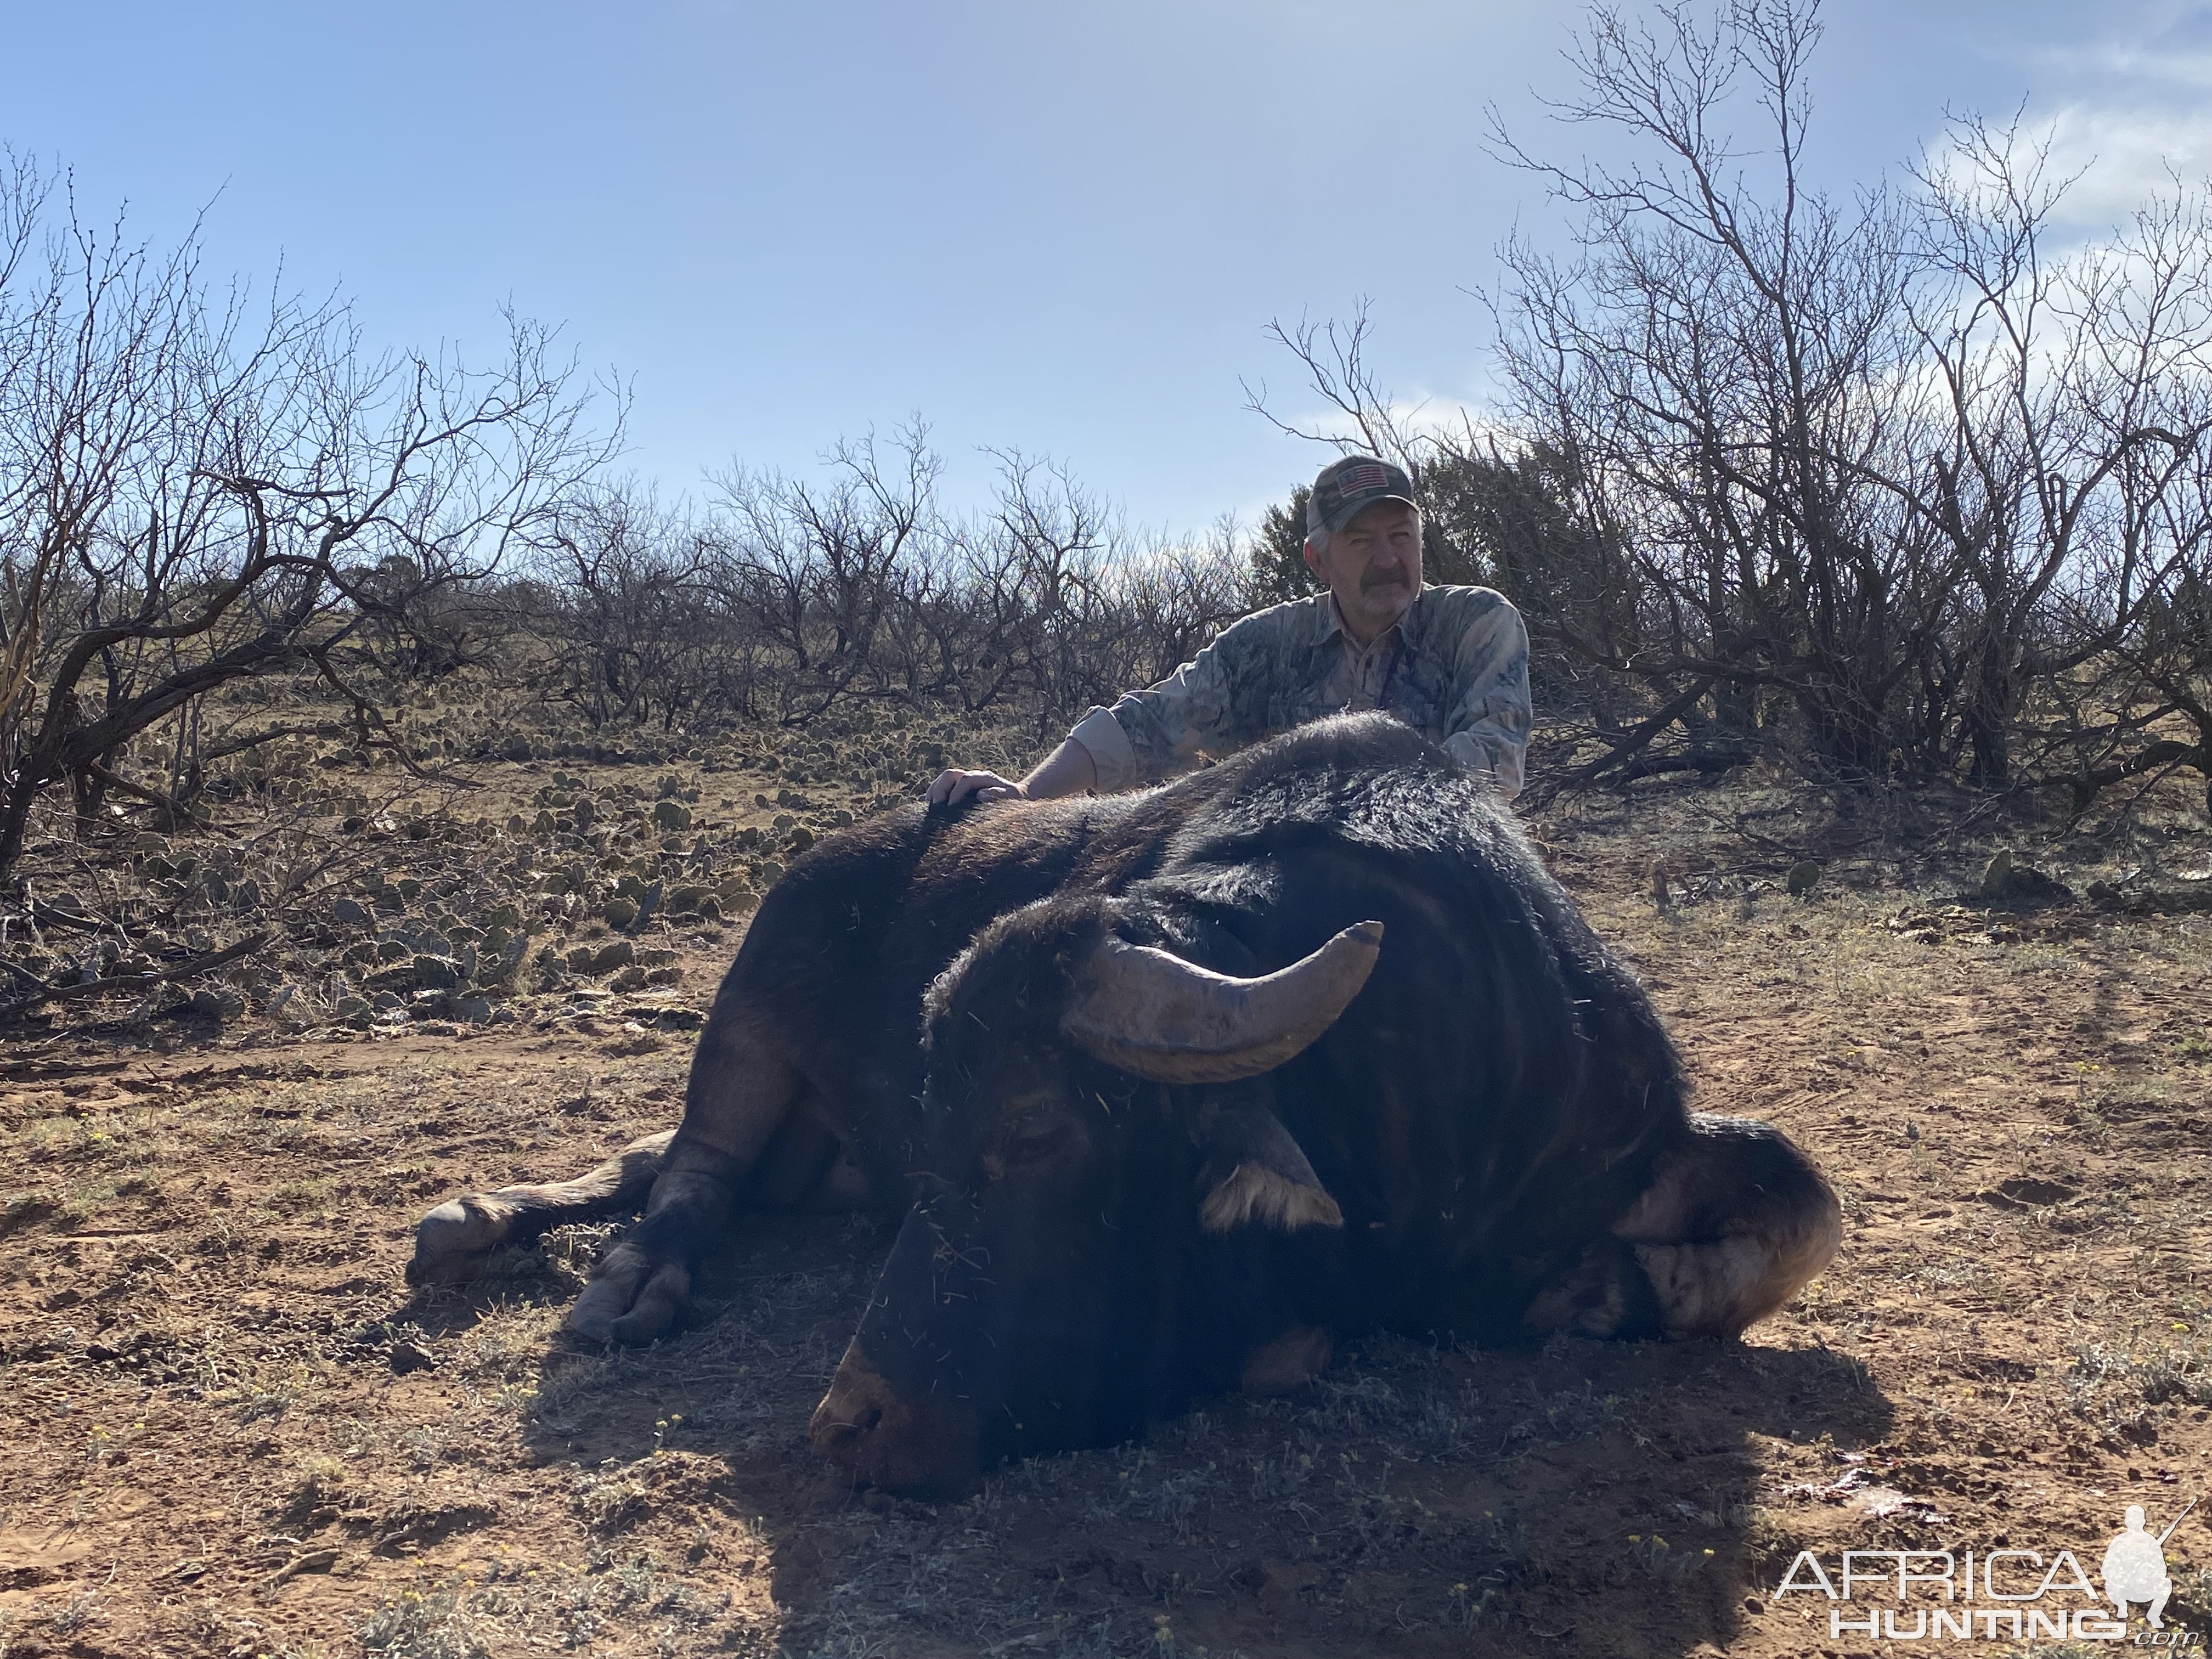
[(743, 1088), (1734, 1223), (455, 1242), (809, 1165)]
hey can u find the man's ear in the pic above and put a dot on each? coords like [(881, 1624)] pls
[(1315, 562), (1255, 1170)]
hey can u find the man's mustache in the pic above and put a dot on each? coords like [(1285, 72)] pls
[(1383, 578)]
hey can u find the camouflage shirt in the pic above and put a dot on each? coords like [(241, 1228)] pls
[(1454, 667)]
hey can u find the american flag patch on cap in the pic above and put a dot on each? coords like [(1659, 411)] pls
[(1345, 485)]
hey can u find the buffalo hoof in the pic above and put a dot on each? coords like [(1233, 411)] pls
[(455, 1243), (632, 1299)]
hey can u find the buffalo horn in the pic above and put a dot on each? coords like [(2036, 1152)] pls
[(1149, 1012)]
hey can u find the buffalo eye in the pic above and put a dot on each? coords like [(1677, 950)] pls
[(1034, 1138)]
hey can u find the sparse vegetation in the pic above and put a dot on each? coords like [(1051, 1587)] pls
[(2019, 1292), (349, 866)]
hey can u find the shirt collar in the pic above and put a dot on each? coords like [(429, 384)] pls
[(1332, 620)]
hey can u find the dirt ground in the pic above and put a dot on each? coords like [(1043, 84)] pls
[(231, 1430)]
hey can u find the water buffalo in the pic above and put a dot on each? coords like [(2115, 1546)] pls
[(1175, 1089)]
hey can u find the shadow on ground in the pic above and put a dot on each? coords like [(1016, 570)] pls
[(1415, 1500)]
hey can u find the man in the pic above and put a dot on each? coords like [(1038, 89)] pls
[(1451, 662)]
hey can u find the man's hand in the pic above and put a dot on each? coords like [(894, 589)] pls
[(1068, 770), (955, 784)]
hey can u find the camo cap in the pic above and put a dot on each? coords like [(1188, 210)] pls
[(1345, 486)]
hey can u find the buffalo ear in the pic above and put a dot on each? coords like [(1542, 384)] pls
[(1256, 1172)]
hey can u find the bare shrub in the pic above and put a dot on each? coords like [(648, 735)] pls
[(199, 488), (1895, 485)]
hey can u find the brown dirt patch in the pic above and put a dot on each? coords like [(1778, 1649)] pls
[(231, 1431)]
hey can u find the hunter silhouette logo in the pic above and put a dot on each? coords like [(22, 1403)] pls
[(2135, 1567)]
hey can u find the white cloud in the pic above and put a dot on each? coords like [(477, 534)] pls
[(2118, 159), (1434, 416), (2125, 156), (2123, 105)]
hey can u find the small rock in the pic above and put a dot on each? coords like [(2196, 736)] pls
[(407, 1357), (2028, 882), (1996, 876), (1804, 875), (212, 1004)]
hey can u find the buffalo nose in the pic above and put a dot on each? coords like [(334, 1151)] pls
[(839, 1436), (925, 1448), (852, 1410)]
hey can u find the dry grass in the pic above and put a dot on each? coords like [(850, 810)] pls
[(217, 1375)]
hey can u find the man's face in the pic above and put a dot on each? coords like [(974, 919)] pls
[(1373, 566)]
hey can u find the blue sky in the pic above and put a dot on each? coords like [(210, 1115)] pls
[(1060, 228)]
